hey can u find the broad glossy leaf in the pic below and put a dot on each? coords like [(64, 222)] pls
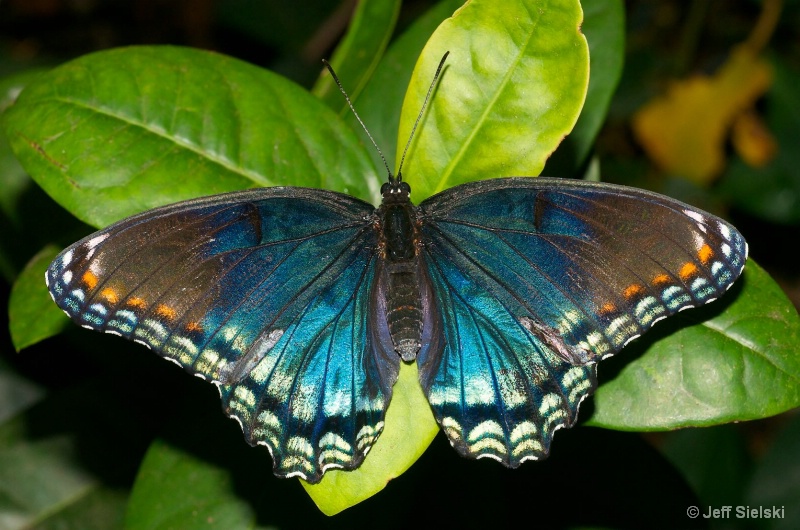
[(735, 360), (13, 180), (358, 53), (382, 99), (177, 490), (32, 314), (513, 87), (410, 428), (117, 132), (604, 27)]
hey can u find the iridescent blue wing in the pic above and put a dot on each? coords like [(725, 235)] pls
[(535, 280), (266, 293)]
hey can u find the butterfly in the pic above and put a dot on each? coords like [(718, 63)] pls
[(300, 304)]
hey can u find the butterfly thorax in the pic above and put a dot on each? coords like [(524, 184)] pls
[(399, 238)]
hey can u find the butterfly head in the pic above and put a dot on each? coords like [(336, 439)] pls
[(395, 191)]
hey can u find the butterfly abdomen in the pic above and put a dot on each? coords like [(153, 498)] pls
[(402, 285), (404, 313)]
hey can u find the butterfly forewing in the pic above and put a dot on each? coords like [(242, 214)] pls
[(266, 293), (538, 278)]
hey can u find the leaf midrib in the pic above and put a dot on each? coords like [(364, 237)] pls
[(750, 346), (487, 110), (255, 178)]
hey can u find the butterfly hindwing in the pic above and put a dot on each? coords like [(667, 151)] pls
[(536, 279), (266, 293), (496, 390)]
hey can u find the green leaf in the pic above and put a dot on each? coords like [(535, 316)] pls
[(177, 490), (13, 179), (410, 427), (122, 131), (43, 484), (604, 27), (737, 362), (14, 182), (512, 88), (382, 99), (32, 314), (358, 53)]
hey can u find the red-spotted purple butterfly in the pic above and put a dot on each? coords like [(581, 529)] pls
[(300, 304)]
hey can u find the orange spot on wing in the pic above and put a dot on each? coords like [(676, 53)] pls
[(607, 308), (89, 280), (661, 279), (166, 312), (110, 295), (687, 270), (194, 326), (633, 290), (705, 253), (137, 302)]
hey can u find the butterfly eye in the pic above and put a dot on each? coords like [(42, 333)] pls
[(395, 191)]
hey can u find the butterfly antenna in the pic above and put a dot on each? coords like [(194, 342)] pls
[(350, 104), (421, 112)]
